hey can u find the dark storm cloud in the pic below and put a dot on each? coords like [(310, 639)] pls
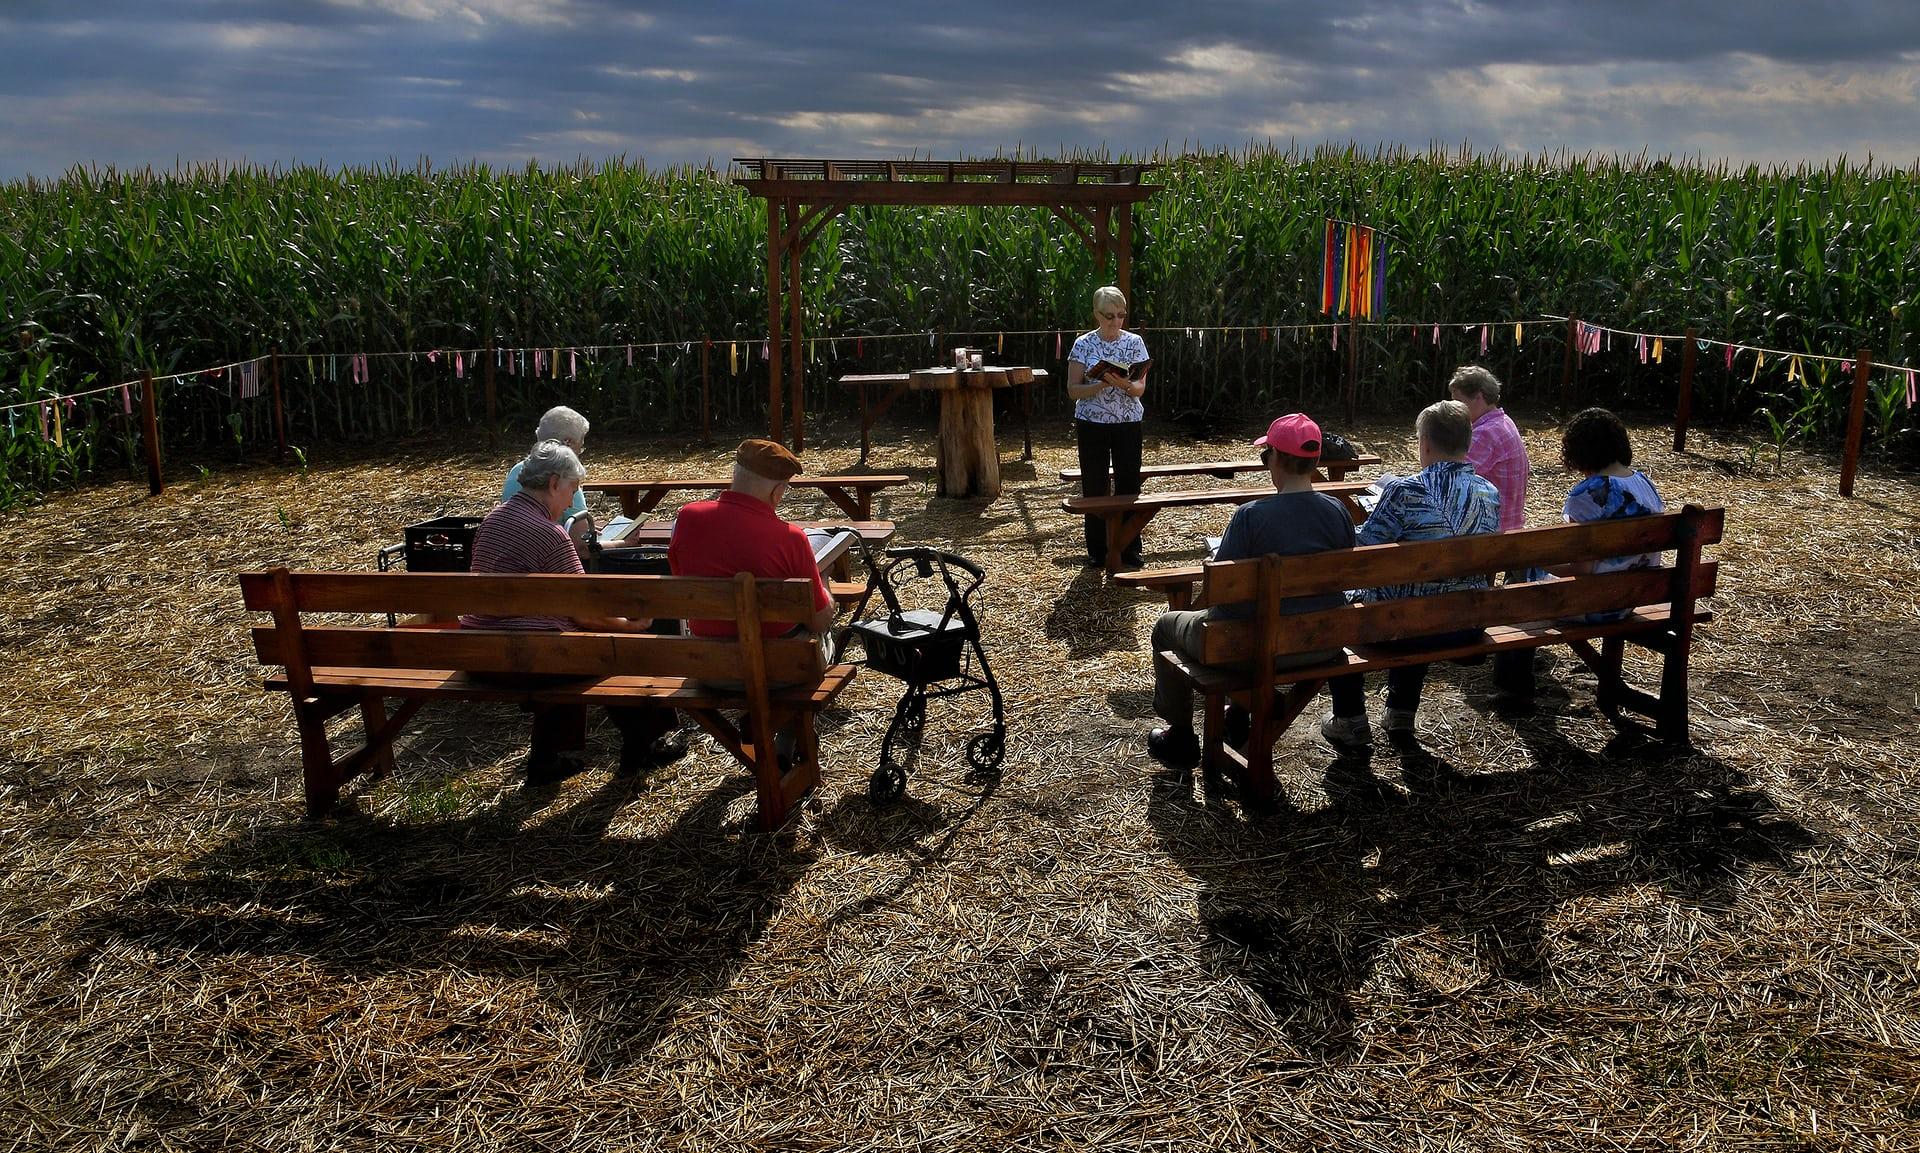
[(504, 81)]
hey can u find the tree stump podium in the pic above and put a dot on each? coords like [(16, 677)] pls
[(966, 457)]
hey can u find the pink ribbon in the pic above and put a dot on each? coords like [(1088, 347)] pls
[(459, 366), (126, 400), (42, 410), (573, 363), (1486, 339)]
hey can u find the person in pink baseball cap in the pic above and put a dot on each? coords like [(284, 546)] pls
[(1294, 520)]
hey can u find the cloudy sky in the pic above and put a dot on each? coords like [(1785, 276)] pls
[(137, 82)]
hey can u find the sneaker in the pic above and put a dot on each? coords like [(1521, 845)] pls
[(1347, 734), (1398, 723), (1176, 747)]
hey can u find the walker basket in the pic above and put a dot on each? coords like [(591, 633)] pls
[(914, 646)]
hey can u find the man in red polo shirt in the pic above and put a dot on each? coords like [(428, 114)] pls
[(741, 532)]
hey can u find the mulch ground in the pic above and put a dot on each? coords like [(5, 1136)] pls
[(1553, 937)]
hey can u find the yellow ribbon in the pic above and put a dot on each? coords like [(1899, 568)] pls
[(1516, 334), (1659, 350)]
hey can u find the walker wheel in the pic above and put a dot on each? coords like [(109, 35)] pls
[(889, 783), (985, 750)]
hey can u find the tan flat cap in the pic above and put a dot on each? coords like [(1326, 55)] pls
[(768, 458)]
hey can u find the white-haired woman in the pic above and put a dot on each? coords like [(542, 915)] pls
[(569, 428), (1107, 411), (521, 536)]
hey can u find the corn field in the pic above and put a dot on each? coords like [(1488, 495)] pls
[(104, 274)]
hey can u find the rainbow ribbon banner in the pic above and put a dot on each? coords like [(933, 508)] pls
[(1353, 277)]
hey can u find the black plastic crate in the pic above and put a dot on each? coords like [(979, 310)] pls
[(443, 544), (634, 560)]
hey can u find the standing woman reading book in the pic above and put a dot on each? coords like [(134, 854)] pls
[(1106, 376)]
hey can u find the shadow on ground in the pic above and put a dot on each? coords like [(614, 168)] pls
[(621, 929), (1302, 904)]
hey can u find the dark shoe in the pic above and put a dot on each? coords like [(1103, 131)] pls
[(1511, 704), (1239, 726), (1133, 558), (1176, 747), (549, 768), (1091, 561), (662, 750)]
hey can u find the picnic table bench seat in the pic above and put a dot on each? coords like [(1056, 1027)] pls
[(328, 667), (1660, 607), (1127, 515)]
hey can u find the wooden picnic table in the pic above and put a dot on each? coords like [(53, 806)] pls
[(1127, 514), (897, 384), (852, 494), (872, 532), (1228, 469)]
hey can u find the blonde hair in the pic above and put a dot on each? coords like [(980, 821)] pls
[(1108, 299), (1446, 426)]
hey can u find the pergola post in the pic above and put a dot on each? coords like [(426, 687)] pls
[(774, 244), (797, 369)]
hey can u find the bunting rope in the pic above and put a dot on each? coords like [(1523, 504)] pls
[(544, 361)]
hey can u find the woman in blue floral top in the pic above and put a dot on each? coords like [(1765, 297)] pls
[(1107, 412)]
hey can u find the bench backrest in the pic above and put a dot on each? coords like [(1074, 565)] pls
[(1268, 581), (326, 619)]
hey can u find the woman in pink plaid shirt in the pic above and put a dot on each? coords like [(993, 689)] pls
[(1499, 455)]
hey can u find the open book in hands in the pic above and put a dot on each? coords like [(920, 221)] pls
[(1122, 372)]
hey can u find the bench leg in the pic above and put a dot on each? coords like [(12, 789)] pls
[(1123, 529), (1671, 725), (321, 779), (373, 718)]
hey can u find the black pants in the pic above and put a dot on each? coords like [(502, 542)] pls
[(1104, 449), (563, 728), (1404, 683)]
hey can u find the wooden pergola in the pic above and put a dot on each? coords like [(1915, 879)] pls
[(1095, 200)]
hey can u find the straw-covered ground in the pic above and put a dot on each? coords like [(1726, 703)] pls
[(1550, 938)]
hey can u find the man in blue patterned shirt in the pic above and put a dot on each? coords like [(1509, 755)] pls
[(1444, 499)]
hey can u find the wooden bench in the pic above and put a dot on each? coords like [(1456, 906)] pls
[(330, 667), (1236, 658), (1127, 516), (853, 495), (1228, 469)]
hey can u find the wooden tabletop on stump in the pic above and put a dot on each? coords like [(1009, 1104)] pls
[(966, 456)]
